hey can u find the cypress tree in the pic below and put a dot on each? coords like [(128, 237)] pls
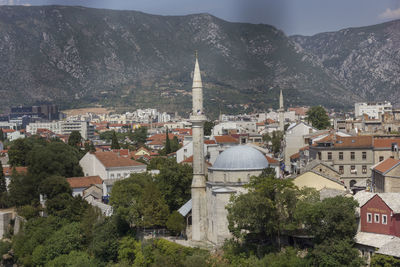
[(1, 135), (114, 142), (167, 143), (3, 187)]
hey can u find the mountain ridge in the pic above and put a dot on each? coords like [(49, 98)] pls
[(77, 56)]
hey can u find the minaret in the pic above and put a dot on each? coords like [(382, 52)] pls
[(199, 181), (281, 111)]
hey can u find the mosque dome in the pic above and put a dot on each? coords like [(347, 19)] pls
[(240, 158)]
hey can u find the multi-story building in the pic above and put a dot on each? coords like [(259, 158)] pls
[(63, 127), (372, 109), (386, 176), (351, 156)]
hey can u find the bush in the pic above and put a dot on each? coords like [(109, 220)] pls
[(176, 223)]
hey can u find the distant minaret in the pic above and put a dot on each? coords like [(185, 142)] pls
[(199, 181), (281, 111)]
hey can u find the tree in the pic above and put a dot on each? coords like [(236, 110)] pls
[(114, 142), (3, 188), (167, 147), (1, 135), (331, 218), (20, 149), (75, 139), (176, 223), (318, 117), (265, 211), (379, 260), (55, 158), (275, 139), (174, 181), (208, 126), (336, 253), (140, 136), (139, 201), (92, 148), (53, 186), (74, 258), (174, 144)]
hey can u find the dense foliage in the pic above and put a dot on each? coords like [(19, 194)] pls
[(318, 118)]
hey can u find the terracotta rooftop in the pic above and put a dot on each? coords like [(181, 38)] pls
[(348, 141), (386, 165), (8, 170), (79, 182), (226, 139), (385, 142), (271, 160), (209, 142), (295, 156), (8, 130), (122, 152), (110, 159)]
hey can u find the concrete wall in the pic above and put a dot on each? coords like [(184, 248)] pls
[(5, 219)]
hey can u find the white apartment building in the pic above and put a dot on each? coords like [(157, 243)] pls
[(372, 109), (63, 127)]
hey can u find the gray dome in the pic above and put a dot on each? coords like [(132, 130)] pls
[(239, 158)]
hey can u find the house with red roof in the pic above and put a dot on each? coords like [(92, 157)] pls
[(110, 167), (79, 184), (385, 148), (386, 176)]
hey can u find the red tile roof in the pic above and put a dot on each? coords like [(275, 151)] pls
[(110, 159), (226, 139), (385, 142), (209, 142), (188, 160), (386, 165), (271, 160), (8, 170), (80, 182), (295, 156), (121, 152), (8, 130), (348, 141)]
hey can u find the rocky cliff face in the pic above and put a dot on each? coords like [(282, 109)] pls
[(366, 60), (76, 56)]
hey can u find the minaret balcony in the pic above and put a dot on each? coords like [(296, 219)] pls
[(198, 118)]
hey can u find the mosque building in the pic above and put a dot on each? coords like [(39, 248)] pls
[(230, 172)]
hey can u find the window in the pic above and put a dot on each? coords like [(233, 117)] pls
[(112, 175), (364, 155), (341, 169), (364, 169), (118, 175), (369, 217), (341, 155), (384, 219), (329, 155), (381, 158), (319, 155), (353, 169), (352, 155), (376, 218)]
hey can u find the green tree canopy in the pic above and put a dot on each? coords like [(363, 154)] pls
[(114, 142), (140, 136), (174, 181), (318, 118), (3, 186), (275, 139), (167, 146), (379, 260), (208, 126), (267, 209), (53, 186), (20, 149), (331, 218), (75, 139), (55, 158), (336, 253), (176, 223), (139, 201)]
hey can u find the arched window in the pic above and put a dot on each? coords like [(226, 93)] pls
[(352, 183)]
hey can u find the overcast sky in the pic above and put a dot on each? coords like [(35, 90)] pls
[(305, 17)]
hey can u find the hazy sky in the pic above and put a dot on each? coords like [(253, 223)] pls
[(305, 17)]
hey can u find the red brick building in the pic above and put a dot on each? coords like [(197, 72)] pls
[(381, 214)]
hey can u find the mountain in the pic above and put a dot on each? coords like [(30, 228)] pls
[(75, 56), (366, 60)]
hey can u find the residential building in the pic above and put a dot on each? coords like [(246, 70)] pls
[(372, 109), (386, 176), (79, 184), (110, 167), (351, 156), (63, 127), (294, 140)]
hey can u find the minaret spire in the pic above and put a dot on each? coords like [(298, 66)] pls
[(199, 181), (281, 113)]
